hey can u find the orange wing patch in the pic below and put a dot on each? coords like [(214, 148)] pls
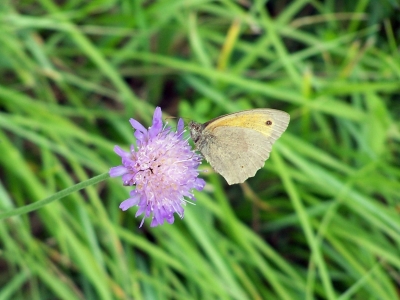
[(257, 121)]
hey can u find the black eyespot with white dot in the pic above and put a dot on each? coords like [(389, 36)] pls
[(269, 122)]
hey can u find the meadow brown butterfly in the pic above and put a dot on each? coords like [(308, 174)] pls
[(238, 144)]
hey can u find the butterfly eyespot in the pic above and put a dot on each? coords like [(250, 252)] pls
[(268, 122)]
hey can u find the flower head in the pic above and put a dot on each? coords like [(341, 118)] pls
[(163, 168)]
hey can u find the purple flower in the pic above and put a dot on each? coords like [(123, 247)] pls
[(163, 168)]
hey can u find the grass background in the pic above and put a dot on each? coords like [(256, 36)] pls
[(321, 220)]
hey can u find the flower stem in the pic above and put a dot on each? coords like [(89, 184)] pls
[(61, 194)]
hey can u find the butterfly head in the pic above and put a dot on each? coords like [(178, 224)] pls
[(196, 130)]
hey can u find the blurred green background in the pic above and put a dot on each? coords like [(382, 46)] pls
[(321, 220)]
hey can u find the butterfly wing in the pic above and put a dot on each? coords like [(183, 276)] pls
[(238, 144), (235, 154), (256, 119)]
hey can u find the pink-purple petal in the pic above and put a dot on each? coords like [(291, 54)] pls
[(170, 218), (139, 137), (199, 184), (120, 152), (137, 126), (117, 171), (157, 123), (141, 210), (180, 126), (129, 202)]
